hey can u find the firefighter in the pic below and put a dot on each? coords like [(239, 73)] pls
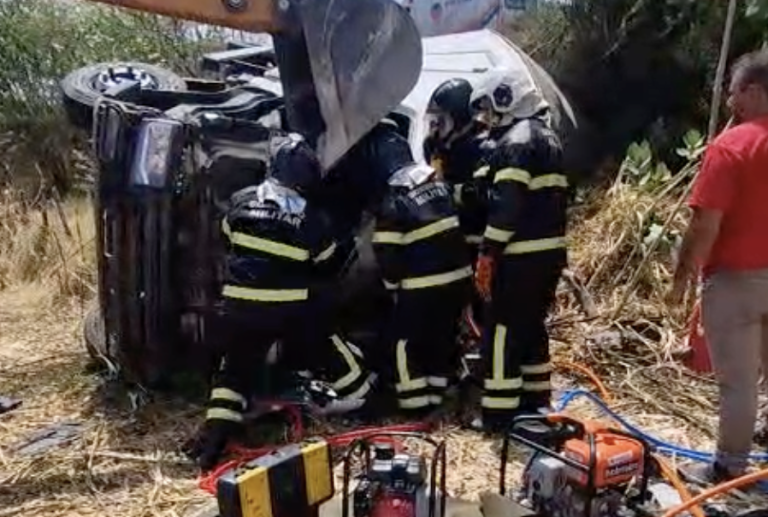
[(424, 261), (523, 250), (458, 146), (278, 245)]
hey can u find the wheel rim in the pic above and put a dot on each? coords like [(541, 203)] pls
[(114, 76)]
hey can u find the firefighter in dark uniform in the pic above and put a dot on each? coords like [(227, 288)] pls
[(458, 146), (523, 251), (425, 263), (278, 246)]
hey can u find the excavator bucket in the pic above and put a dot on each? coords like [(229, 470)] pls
[(343, 64)]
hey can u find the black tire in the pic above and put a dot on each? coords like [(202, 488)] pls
[(80, 88)]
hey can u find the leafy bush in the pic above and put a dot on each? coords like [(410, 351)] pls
[(43, 40)]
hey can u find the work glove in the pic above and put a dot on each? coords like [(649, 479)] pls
[(213, 441), (484, 271)]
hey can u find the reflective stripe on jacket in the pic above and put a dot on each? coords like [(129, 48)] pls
[(528, 192)]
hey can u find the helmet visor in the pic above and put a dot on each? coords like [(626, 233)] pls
[(483, 110), (439, 124)]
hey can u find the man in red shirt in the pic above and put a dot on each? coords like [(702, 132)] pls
[(727, 241)]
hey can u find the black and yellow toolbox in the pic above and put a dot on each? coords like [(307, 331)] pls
[(292, 481)]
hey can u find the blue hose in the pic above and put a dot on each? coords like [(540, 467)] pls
[(661, 446)]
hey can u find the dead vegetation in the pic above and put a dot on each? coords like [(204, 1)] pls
[(48, 243)]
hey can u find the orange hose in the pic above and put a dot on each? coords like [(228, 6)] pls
[(717, 490), (671, 476), (604, 393)]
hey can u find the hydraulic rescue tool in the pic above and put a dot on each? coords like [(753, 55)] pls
[(394, 483), (580, 468)]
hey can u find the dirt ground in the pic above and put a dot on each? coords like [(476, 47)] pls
[(128, 464), (122, 463)]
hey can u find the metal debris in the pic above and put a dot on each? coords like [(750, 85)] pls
[(48, 438), (8, 404)]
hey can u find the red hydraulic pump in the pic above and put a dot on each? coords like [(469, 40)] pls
[(394, 483)]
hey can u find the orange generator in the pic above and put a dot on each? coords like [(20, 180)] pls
[(579, 468)]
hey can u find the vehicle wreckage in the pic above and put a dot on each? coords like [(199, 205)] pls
[(172, 149)]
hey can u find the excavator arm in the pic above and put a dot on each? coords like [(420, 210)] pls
[(246, 15), (343, 64)]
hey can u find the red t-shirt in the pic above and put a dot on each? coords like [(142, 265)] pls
[(734, 179)]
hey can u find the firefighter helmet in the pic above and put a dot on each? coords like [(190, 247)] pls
[(449, 108), (293, 162), (501, 98)]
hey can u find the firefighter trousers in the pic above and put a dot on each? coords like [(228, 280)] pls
[(322, 350), (423, 343), (515, 342), (245, 332)]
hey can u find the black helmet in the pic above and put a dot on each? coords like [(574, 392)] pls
[(388, 150), (293, 162), (450, 106)]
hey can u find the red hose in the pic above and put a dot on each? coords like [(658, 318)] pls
[(473, 326), (208, 481), (243, 455), (344, 439)]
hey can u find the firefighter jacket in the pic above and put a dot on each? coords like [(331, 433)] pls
[(417, 239), (278, 245), (528, 192), (464, 166)]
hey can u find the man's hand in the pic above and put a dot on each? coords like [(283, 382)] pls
[(697, 243), (683, 282), (484, 270), (679, 288)]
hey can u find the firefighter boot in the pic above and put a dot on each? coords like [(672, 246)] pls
[(224, 421), (212, 442)]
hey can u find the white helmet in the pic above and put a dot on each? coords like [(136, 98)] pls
[(502, 97)]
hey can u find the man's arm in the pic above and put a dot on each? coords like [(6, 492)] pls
[(388, 243), (713, 193), (698, 240), (506, 196)]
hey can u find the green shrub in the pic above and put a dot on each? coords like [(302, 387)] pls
[(41, 41)]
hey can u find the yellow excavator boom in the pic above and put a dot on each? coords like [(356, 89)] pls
[(246, 15)]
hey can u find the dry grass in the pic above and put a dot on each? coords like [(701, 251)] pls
[(127, 463), (49, 245)]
